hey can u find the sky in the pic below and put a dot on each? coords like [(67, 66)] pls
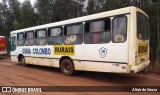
[(32, 1)]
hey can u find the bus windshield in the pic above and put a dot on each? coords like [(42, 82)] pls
[(13, 43), (142, 27)]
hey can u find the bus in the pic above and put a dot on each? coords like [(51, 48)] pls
[(3, 49), (114, 41)]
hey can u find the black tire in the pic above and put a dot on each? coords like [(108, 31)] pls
[(67, 67), (22, 61), (145, 71)]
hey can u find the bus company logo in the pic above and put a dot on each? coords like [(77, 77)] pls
[(102, 52)]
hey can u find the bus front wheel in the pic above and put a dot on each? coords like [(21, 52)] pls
[(67, 67), (22, 61)]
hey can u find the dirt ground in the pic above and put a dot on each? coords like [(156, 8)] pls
[(13, 74)]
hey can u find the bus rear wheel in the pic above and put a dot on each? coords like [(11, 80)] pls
[(22, 61), (67, 67)]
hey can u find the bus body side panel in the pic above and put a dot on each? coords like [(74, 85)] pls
[(79, 54), (76, 56), (38, 55), (115, 60), (46, 56)]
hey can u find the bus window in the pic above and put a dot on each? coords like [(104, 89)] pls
[(29, 38), (20, 39), (41, 37), (119, 29), (13, 43), (97, 31), (55, 36), (142, 27), (73, 34)]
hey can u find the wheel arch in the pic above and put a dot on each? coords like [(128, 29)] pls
[(19, 56), (65, 57)]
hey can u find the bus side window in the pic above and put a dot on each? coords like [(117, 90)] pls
[(20, 39), (41, 37), (73, 34), (119, 29), (97, 31), (55, 36), (29, 36)]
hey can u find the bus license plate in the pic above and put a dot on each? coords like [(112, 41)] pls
[(142, 49)]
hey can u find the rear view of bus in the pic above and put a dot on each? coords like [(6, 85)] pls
[(3, 50), (141, 31)]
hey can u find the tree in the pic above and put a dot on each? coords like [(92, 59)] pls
[(96, 6), (56, 10), (27, 15), (6, 19), (44, 10), (14, 8)]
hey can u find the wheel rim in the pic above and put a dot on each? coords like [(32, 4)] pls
[(66, 67), (22, 61)]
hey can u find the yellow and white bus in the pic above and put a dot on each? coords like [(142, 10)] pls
[(113, 41)]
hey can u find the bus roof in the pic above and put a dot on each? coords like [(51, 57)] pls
[(111, 13)]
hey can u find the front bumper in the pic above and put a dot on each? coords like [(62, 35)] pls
[(14, 58), (139, 67), (3, 53)]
